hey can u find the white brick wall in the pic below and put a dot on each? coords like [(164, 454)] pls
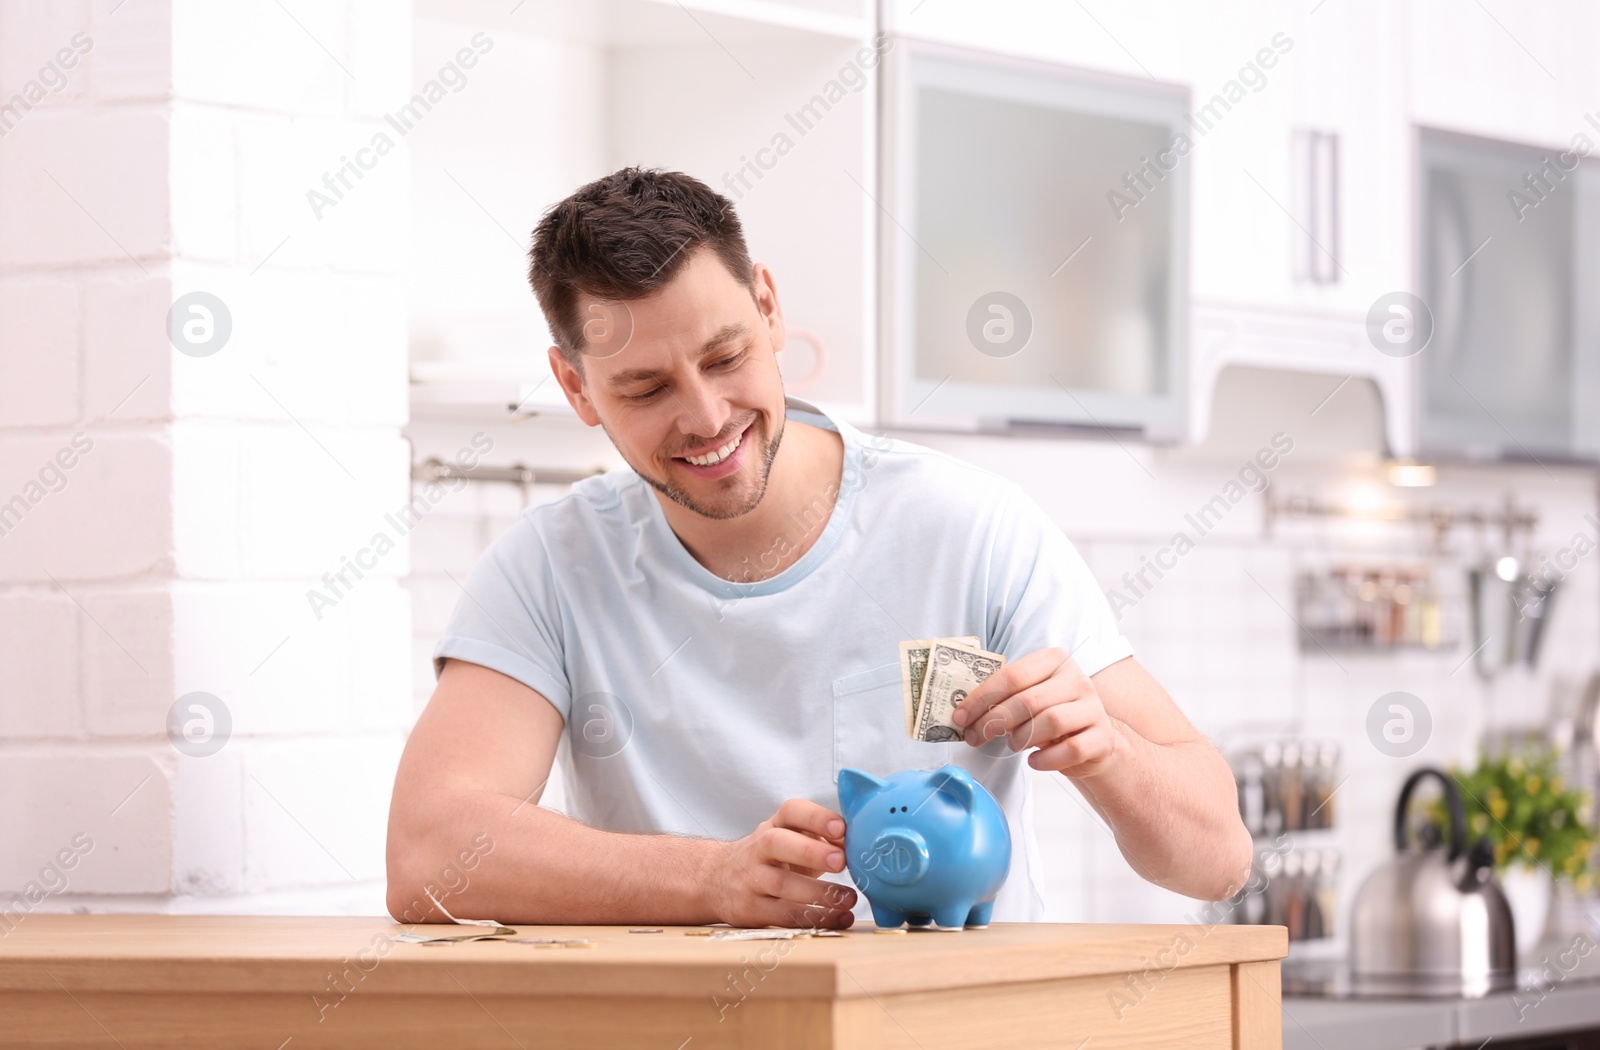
[(39, 644), (72, 532), (209, 494), (65, 205), (126, 356), (39, 352), (120, 797)]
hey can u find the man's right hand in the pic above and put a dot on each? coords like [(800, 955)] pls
[(770, 877)]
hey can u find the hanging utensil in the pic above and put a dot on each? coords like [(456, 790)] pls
[(1531, 597), (1490, 587)]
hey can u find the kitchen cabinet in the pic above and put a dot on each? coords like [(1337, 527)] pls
[(1261, 218), (773, 104), (1035, 264), (1501, 70), (1143, 316), (1509, 236), (1257, 81), (1364, 76)]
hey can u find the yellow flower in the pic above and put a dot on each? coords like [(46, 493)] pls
[(1480, 823), (1533, 847), (1571, 865), (1531, 785), (1514, 767), (1497, 805), (1558, 784)]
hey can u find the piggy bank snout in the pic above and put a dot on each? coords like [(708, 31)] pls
[(899, 856)]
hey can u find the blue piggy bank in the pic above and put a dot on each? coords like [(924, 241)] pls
[(925, 845)]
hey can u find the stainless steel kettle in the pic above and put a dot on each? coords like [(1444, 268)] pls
[(1432, 921)]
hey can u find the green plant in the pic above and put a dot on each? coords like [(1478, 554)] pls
[(1520, 800)]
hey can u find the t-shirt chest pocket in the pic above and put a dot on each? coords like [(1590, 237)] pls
[(869, 727)]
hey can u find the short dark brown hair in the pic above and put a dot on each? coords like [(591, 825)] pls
[(622, 237)]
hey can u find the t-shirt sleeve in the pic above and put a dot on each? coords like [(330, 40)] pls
[(507, 620), (1042, 594)]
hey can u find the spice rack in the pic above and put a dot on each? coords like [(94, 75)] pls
[(1370, 607), (1287, 795)]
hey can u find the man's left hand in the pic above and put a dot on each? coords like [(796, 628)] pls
[(1043, 700)]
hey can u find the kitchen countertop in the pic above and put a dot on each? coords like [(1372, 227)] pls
[(1320, 1014)]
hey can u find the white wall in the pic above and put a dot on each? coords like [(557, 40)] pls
[(177, 554)]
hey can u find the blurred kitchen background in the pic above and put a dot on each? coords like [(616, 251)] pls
[(1284, 311)]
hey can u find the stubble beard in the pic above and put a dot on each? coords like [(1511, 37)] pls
[(722, 511)]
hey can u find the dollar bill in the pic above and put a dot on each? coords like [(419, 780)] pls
[(913, 668), (954, 669)]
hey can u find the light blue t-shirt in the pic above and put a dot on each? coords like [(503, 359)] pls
[(696, 705)]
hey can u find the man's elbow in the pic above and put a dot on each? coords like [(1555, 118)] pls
[(1235, 863), (399, 909), (403, 896), (408, 857)]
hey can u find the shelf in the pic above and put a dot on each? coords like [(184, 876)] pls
[(1317, 645), (636, 23), (483, 389)]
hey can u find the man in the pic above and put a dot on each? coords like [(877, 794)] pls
[(715, 633)]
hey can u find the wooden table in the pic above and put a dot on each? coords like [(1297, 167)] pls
[(294, 983)]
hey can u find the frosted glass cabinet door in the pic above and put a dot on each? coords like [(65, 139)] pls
[(1036, 245), (1510, 368)]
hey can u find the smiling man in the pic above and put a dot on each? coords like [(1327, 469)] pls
[(714, 633)]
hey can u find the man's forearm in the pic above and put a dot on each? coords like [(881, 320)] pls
[(532, 865), (1174, 811)]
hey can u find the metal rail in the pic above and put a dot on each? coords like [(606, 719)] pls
[(435, 470)]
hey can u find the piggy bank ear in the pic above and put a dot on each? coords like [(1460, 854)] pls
[(956, 783), (854, 787)]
